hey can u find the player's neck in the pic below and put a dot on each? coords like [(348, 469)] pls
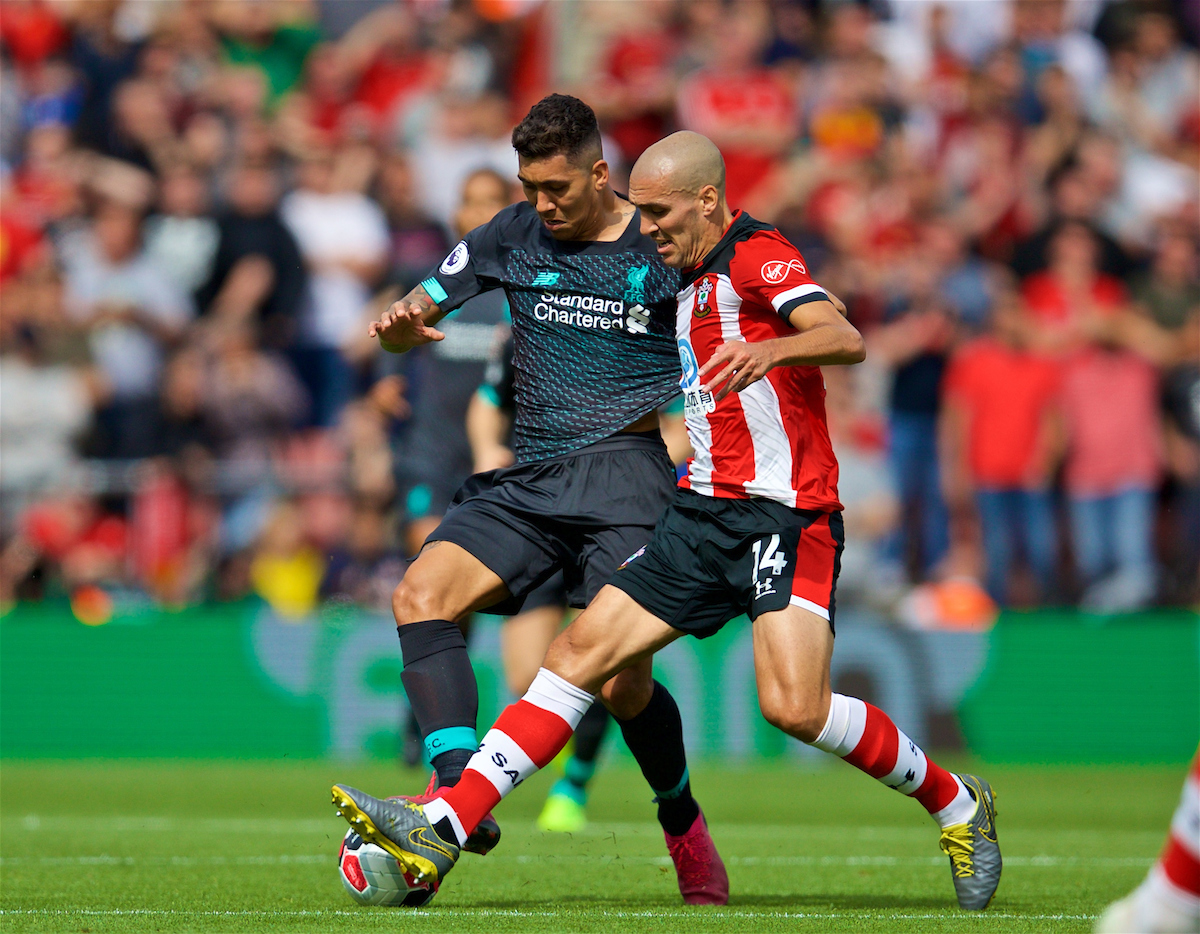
[(715, 228), (612, 216)]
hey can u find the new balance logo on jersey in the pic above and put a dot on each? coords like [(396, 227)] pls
[(776, 270), (546, 278)]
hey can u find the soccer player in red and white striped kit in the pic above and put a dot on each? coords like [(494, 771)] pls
[(755, 528)]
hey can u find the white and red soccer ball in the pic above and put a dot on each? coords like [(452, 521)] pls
[(372, 876)]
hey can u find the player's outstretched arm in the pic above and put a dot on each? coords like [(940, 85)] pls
[(408, 323), (825, 338)]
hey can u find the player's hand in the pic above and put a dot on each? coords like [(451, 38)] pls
[(736, 365), (401, 328)]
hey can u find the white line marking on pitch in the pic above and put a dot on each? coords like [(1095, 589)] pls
[(733, 914), (1038, 862)]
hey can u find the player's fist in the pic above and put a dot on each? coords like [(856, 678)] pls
[(402, 328)]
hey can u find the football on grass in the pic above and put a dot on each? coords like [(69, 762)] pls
[(372, 876)]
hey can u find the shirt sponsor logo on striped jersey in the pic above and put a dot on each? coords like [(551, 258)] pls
[(776, 270)]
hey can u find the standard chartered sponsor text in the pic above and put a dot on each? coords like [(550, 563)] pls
[(585, 311)]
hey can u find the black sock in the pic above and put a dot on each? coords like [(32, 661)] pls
[(655, 737), (442, 693), (590, 733), (450, 766)]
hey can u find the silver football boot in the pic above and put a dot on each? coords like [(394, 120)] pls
[(400, 827), (974, 850)]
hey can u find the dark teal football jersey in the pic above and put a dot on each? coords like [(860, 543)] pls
[(593, 326)]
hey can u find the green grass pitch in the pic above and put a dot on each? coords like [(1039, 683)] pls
[(210, 846)]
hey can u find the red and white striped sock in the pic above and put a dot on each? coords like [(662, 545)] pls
[(865, 736), (1169, 899), (526, 737)]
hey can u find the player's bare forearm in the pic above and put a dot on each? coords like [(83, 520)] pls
[(825, 338), (487, 426), (408, 323)]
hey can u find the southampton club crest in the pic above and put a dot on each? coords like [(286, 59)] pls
[(704, 292)]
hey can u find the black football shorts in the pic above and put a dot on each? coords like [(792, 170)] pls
[(581, 514), (711, 560)]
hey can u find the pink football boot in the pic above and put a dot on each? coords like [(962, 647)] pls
[(702, 876)]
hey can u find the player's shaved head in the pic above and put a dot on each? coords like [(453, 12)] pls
[(679, 184), (686, 161)]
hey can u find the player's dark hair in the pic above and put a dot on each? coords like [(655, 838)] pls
[(558, 124)]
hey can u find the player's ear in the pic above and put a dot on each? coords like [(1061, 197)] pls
[(710, 200), (600, 174)]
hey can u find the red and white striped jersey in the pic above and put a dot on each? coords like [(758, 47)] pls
[(770, 439)]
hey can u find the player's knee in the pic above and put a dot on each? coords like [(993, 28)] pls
[(794, 716), (412, 603), (574, 658)]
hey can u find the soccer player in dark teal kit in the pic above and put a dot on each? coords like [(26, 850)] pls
[(593, 319)]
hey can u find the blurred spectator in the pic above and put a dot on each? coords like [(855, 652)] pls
[(634, 97), (866, 490), (418, 242), (462, 134), (182, 238), (274, 38), (919, 330), (365, 569), (1110, 402), (252, 230), (133, 314), (389, 67), (1169, 292), (286, 570), (1001, 437), (31, 31), (1072, 294), (251, 401), (48, 402), (344, 240), (742, 107), (104, 58), (85, 543), (171, 532)]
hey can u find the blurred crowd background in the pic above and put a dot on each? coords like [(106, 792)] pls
[(204, 203)]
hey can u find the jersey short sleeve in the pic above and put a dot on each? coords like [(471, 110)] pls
[(473, 266), (768, 270)]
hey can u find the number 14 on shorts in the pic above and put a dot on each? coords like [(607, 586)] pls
[(767, 558)]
